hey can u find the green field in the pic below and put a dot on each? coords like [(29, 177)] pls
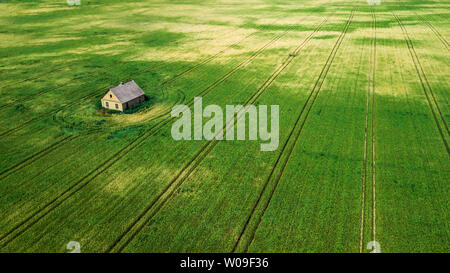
[(363, 93)]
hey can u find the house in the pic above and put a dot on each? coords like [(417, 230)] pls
[(123, 96)]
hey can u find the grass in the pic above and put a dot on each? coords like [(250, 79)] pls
[(119, 182)]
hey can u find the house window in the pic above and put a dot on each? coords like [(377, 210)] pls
[(110, 96), (106, 104), (117, 106)]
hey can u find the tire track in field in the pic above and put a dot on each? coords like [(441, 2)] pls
[(37, 77), (45, 90), (428, 91), (44, 115), (36, 156), (297, 129), (207, 60), (63, 196), (374, 174), (181, 94), (165, 113), (29, 97), (435, 31), (167, 193), (47, 114), (158, 65), (369, 105), (59, 68), (7, 132), (80, 61)]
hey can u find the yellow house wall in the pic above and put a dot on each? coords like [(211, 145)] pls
[(112, 100)]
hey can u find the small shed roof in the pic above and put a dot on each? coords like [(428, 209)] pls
[(127, 91)]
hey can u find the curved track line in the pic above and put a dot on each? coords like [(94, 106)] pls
[(47, 208), (35, 156), (80, 61), (159, 65), (175, 183), (374, 176), (207, 60), (45, 90), (166, 113), (181, 94), (163, 85)]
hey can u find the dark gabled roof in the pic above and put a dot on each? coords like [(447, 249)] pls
[(127, 91)]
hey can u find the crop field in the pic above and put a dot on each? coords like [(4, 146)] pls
[(363, 155)]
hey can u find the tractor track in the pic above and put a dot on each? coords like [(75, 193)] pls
[(159, 65), (207, 60), (59, 68), (36, 156), (29, 97), (435, 31), (60, 198), (80, 61), (45, 91), (313, 94), (165, 113), (180, 93), (425, 84), (164, 84), (167, 193), (369, 105), (47, 114), (44, 115)]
